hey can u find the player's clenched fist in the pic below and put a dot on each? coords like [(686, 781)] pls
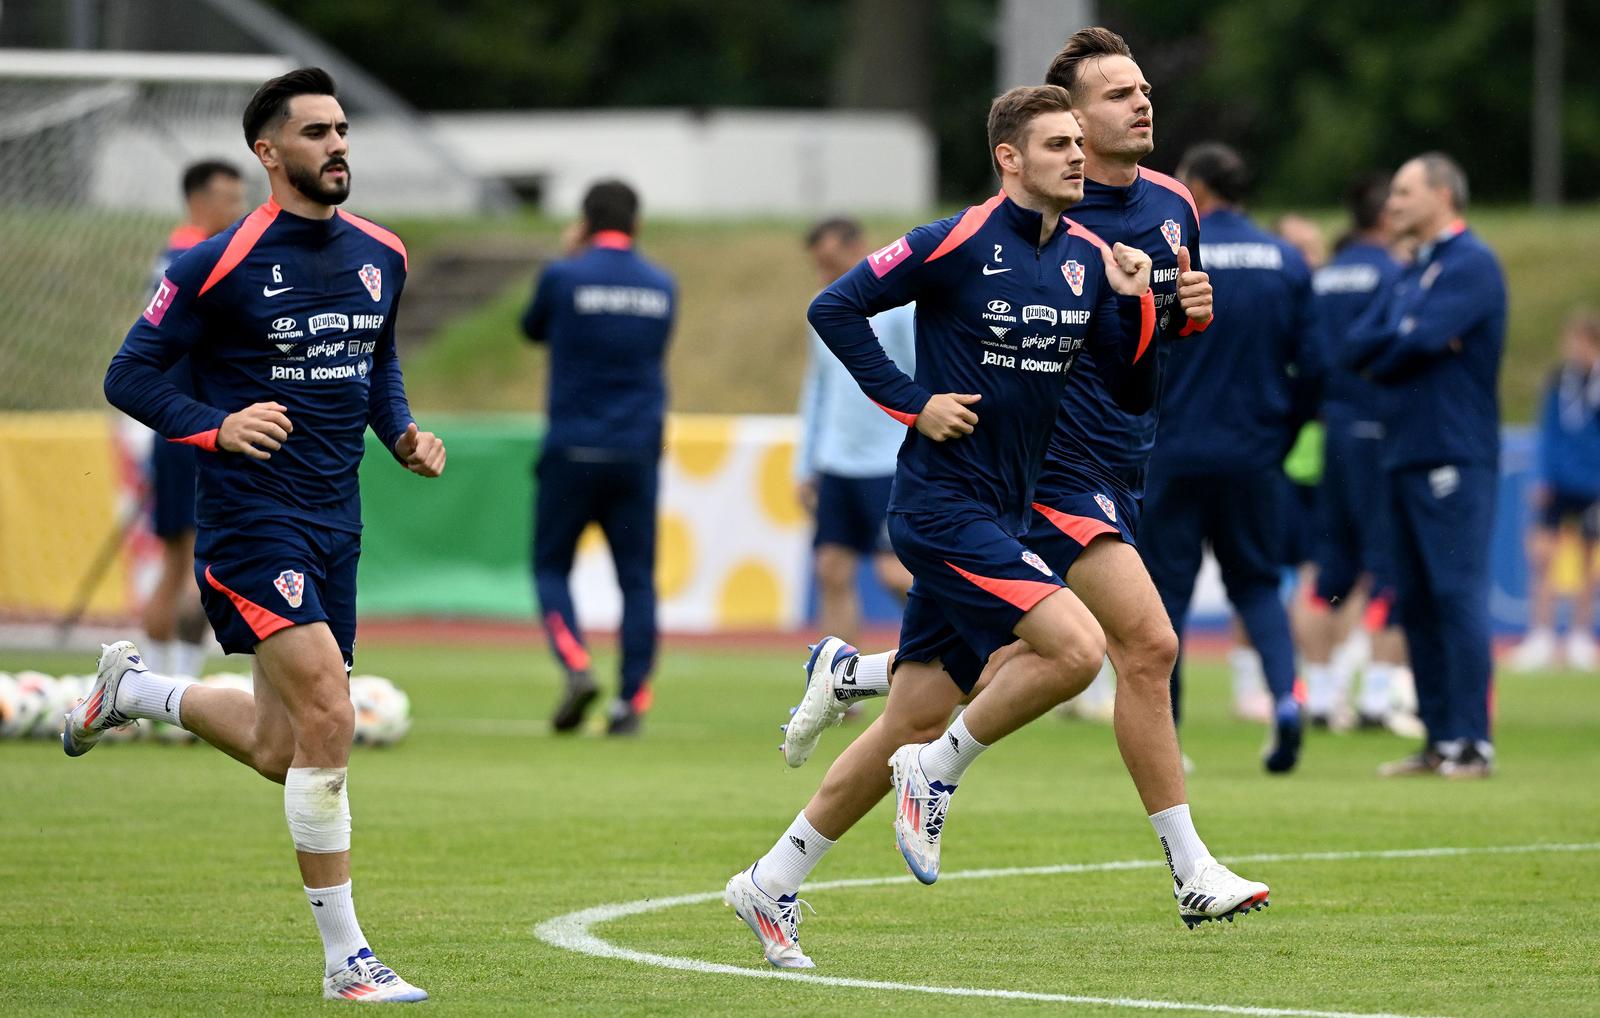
[(1194, 290), (946, 416), (1128, 269), (257, 431), (421, 452)]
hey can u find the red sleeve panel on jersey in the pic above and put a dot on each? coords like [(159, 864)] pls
[(971, 222), (1172, 184), (1192, 327), (1147, 322), (378, 233), (909, 420), (206, 440), (243, 240)]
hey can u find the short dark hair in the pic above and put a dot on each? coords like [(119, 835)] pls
[(1011, 113), (1219, 168), (1439, 170), (271, 100), (198, 176), (1364, 198), (611, 205), (1084, 45), (847, 229)]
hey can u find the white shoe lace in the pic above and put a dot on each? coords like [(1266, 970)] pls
[(935, 806)]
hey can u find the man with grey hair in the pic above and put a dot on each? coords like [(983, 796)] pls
[(1433, 344)]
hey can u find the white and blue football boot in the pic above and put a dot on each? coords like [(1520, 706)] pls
[(830, 690), (366, 980), (97, 713), (921, 807), (774, 921)]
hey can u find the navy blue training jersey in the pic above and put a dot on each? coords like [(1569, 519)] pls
[(1341, 290), (998, 315), (1155, 214), (607, 315), (275, 308), (179, 241), (1569, 431), (1231, 403), (1433, 343)]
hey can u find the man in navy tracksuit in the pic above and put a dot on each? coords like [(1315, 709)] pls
[(606, 314), (1352, 534), (288, 321), (1230, 410), (1433, 344)]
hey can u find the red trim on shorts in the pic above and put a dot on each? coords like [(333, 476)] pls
[(1082, 529), (1376, 618), (1022, 594), (243, 240), (261, 621)]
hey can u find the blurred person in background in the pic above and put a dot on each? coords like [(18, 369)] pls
[(845, 464), (606, 314), (1353, 589), (1567, 492), (1230, 409), (1305, 236), (213, 198), (1432, 341)]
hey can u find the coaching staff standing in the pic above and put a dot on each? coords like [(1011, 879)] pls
[(1433, 344), (606, 314)]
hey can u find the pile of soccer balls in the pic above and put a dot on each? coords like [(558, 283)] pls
[(32, 704)]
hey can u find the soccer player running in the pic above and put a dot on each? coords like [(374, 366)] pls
[(1433, 342), (213, 197), (288, 318), (1086, 507)]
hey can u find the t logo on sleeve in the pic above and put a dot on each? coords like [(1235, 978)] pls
[(157, 309), (886, 258)]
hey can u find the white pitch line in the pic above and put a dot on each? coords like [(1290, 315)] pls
[(571, 932)]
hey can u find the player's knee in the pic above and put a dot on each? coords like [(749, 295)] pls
[(1149, 648), (325, 720), (272, 761)]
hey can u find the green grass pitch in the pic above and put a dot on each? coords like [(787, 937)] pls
[(147, 878)]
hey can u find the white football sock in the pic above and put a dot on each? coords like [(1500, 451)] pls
[(872, 672), (1185, 851), (143, 694), (1375, 689), (183, 658), (335, 912), (1319, 688), (946, 758), (785, 867), (1248, 678)]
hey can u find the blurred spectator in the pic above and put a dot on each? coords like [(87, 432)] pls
[(606, 314), (846, 460), (1306, 237), (1568, 493)]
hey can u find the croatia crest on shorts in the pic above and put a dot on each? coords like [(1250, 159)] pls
[(1173, 234), (292, 586), (372, 277), (1074, 273), (1106, 506), (1035, 561)]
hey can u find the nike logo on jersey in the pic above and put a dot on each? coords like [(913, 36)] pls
[(267, 291), (990, 270)]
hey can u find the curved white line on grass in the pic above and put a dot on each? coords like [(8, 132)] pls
[(571, 932)]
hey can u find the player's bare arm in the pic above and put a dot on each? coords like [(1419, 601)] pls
[(1194, 290), (946, 416), (257, 431), (421, 452)]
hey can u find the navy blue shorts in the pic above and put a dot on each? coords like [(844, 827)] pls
[(974, 581), (259, 576), (1073, 509), (1353, 517), (172, 476), (851, 512), (1561, 506)]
